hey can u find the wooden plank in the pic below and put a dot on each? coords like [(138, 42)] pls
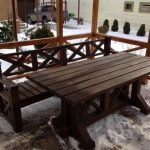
[(59, 83), (103, 78), (95, 91), (124, 40), (94, 16), (49, 74), (77, 64), (21, 96), (73, 73), (148, 48), (28, 42), (36, 86), (29, 88), (25, 92), (59, 5)]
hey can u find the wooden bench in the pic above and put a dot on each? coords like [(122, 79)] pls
[(15, 96), (101, 84)]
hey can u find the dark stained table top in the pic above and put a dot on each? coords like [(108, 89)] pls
[(87, 79)]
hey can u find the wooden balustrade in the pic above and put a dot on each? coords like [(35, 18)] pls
[(33, 60), (140, 45)]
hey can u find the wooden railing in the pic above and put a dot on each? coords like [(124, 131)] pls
[(138, 44), (33, 60), (57, 54)]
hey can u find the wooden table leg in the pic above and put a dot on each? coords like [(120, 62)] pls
[(79, 130), (136, 99), (62, 122)]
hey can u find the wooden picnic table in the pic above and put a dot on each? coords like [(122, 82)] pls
[(92, 89)]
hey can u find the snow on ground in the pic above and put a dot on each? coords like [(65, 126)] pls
[(127, 129)]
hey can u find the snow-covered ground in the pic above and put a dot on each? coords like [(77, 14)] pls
[(127, 129)]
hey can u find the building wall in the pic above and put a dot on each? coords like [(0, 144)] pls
[(112, 9), (115, 10)]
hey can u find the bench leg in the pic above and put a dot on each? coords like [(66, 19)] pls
[(16, 119), (136, 98), (2, 105)]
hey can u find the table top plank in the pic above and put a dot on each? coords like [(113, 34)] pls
[(95, 91), (59, 83), (87, 79), (83, 71), (103, 78), (77, 65)]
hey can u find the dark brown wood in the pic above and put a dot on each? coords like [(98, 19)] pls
[(48, 56), (13, 97), (137, 99), (80, 84)]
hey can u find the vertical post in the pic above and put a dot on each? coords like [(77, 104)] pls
[(59, 5), (148, 46), (78, 11), (94, 17), (15, 25), (51, 10), (14, 20), (59, 20), (25, 10), (147, 54), (65, 10), (107, 45), (37, 13)]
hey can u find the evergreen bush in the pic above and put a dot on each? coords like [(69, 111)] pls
[(6, 32), (141, 31), (115, 27), (103, 29), (106, 23), (41, 33), (126, 28)]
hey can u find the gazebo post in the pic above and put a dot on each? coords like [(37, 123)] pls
[(59, 5), (94, 20), (148, 47), (78, 11), (148, 54), (37, 13), (94, 17), (25, 11), (14, 23)]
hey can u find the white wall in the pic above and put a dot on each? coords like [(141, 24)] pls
[(111, 10)]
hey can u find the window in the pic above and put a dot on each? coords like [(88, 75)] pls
[(128, 6), (144, 7)]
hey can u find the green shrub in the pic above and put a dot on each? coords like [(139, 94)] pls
[(6, 32), (106, 23), (141, 31), (115, 27), (103, 29), (71, 15), (41, 33), (126, 28)]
